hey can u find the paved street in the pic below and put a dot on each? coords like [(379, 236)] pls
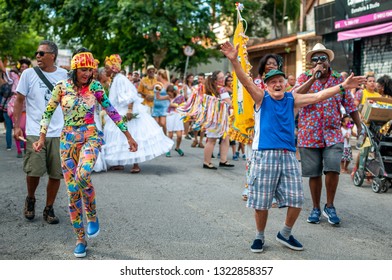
[(175, 210)]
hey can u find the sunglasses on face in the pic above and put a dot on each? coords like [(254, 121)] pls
[(41, 53), (322, 58)]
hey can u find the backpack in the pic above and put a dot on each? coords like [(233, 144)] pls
[(5, 85)]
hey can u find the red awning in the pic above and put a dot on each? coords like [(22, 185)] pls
[(365, 31)]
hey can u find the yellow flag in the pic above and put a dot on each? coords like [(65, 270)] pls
[(242, 127)]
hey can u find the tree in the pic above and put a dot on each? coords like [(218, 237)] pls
[(141, 31), (16, 39)]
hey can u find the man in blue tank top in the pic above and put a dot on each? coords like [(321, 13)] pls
[(274, 169)]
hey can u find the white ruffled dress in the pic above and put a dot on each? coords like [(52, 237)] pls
[(100, 164), (151, 140)]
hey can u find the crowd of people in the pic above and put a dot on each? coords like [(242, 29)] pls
[(71, 123)]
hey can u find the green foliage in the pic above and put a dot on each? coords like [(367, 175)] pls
[(142, 32), (16, 39)]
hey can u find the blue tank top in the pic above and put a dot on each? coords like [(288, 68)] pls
[(274, 124), (160, 106)]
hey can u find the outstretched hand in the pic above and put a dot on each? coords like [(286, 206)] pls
[(354, 81), (229, 50)]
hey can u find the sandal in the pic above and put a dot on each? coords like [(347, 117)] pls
[(209, 166), (226, 164), (117, 167), (180, 152), (135, 170)]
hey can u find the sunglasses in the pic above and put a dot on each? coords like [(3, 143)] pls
[(322, 58), (41, 53)]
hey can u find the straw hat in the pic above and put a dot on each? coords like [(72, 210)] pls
[(151, 67), (320, 48)]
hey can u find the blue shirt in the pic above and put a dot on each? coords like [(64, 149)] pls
[(274, 124)]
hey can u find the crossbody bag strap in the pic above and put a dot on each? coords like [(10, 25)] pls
[(43, 78)]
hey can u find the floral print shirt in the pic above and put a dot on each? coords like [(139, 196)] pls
[(78, 107), (319, 124)]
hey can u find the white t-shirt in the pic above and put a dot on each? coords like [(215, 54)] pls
[(346, 141), (37, 97)]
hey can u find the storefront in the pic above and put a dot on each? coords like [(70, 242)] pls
[(360, 33)]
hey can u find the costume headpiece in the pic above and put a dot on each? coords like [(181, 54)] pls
[(82, 60), (96, 63), (114, 62)]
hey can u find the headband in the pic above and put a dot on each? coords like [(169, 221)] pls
[(83, 60), (114, 62)]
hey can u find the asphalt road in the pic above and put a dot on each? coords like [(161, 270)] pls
[(176, 210)]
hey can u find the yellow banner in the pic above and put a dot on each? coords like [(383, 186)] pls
[(242, 127)]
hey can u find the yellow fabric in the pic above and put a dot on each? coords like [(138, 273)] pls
[(243, 121), (366, 94), (82, 60), (114, 62), (146, 87), (366, 143)]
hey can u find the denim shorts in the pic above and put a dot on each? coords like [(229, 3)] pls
[(316, 161), (274, 173)]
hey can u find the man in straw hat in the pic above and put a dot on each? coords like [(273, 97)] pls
[(146, 86), (320, 139)]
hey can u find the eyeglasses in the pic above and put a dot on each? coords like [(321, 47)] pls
[(229, 80), (322, 58), (41, 53)]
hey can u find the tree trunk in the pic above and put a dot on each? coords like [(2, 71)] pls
[(274, 20), (284, 28)]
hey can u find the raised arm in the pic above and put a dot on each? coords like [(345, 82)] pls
[(232, 54), (302, 100)]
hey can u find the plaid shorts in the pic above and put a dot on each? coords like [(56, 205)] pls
[(274, 173)]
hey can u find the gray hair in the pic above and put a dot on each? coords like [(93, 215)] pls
[(52, 46)]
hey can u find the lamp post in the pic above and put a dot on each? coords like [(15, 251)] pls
[(188, 51)]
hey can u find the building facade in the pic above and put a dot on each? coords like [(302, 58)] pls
[(359, 32)]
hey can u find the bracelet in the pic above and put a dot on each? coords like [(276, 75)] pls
[(342, 90)]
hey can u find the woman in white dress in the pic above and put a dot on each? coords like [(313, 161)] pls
[(100, 164), (151, 140)]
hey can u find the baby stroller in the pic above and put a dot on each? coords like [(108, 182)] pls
[(375, 161)]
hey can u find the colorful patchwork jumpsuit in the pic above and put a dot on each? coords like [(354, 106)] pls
[(80, 143)]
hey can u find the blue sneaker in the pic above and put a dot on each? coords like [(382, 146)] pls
[(292, 243), (244, 157), (93, 229), (330, 213), (80, 250), (257, 246), (235, 157), (314, 217)]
